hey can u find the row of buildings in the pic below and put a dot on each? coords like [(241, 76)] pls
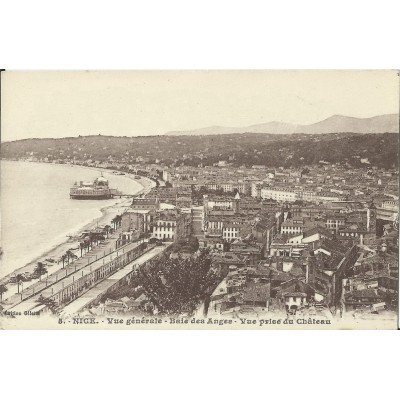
[(282, 240)]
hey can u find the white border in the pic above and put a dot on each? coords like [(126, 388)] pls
[(206, 34)]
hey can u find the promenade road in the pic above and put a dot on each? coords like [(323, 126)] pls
[(94, 293), (59, 282), (56, 272)]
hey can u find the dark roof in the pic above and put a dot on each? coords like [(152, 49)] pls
[(358, 294), (258, 272), (227, 257), (260, 226), (295, 285), (332, 246), (297, 271), (295, 294), (335, 216), (257, 292), (318, 229)]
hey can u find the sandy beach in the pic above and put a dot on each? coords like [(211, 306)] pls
[(71, 241)]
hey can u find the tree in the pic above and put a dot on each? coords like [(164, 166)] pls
[(63, 259), (3, 289), (82, 246), (92, 239), (70, 255), (95, 237), (19, 278), (49, 303), (40, 270), (176, 286), (116, 221), (87, 244), (193, 242), (191, 245), (107, 229)]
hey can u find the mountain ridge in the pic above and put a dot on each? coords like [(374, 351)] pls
[(333, 124)]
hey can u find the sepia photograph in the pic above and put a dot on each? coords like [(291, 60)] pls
[(199, 199)]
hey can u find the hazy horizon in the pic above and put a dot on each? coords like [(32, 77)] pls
[(164, 133), (55, 104)]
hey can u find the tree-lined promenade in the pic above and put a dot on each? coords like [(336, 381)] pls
[(56, 284), (66, 268)]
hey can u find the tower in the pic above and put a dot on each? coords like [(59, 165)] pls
[(236, 203), (286, 212)]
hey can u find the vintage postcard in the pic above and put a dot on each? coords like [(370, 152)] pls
[(231, 199)]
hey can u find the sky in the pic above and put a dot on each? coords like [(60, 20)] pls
[(53, 104)]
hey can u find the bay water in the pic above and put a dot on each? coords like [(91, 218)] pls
[(37, 213)]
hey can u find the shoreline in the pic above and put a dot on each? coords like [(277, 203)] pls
[(69, 239)]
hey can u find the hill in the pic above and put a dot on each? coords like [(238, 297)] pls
[(274, 150)]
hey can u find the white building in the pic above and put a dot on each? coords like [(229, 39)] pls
[(171, 225), (280, 194), (230, 232), (290, 195), (164, 229), (292, 227)]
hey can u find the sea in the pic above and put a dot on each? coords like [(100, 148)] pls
[(37, 213)]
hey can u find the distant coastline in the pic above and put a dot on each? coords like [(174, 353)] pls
[(144, 182)]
